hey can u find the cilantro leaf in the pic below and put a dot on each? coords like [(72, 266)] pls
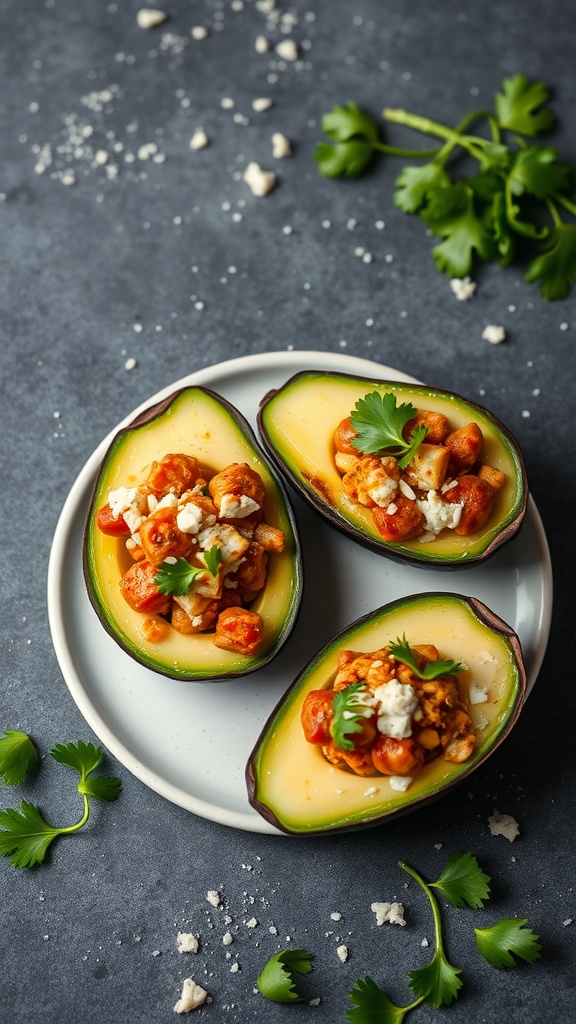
[(414, 185), (402, 651), (537, 172), (213, 558), (518, 106), (276, 983), (344, 123), (379, 422), (25, 836), (343, 159), (176, 578), (437, 982), (463, 882), (18, 755), (347, 714), (509, 936), (451, 214), (555, 268), (373, 1006)]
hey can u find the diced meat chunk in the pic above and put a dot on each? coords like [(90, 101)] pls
[(161, 538), (270, 538), (464, 446), (111, 525), (174, 473), (401, 521), (428, 467), (495, 477), (238, 630), (373, 481), (139, 589), (392, 756), (436, 424), (344, 436), (238, 491), (478, 498), (316, 715)]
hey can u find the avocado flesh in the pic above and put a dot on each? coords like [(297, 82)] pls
[(297, 425), (292, 785), (197, 422)]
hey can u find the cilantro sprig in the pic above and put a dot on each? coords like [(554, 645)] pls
[(520, 193), (175, 577), (402, 651), (276, 981), (348, 712), (25, 835), (507, 939), (18, 757), (379, 421)]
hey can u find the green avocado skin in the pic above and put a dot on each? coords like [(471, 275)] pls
[(295, 789), (296, 425), (203, 423)]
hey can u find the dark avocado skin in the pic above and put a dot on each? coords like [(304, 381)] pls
[(318, 497), (258, 768)]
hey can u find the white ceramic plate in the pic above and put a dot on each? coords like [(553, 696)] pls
[(190, 741)]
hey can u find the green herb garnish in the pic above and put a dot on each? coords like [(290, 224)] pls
[(509, 936), (175, 578), (437, 982), (213, 558), (348, 712), (463, 882), (379, 422), (24, 834), (276, 981), (373, 1005), (520, 191), (18, 756), (432, 669)]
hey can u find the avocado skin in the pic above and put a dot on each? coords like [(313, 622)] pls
[(316, 492), (321, 669)]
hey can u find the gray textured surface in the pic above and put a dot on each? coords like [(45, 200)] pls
[(91, 935)]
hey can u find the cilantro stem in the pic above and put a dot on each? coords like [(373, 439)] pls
[(571, 207), (453, 136), (382, 147), (433, 903)]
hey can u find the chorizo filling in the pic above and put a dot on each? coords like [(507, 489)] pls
[(390, 712), (199, 547), (417, 475)]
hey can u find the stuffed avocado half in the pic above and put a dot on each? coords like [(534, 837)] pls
[(191, 554), (420, 475), (322, 762)]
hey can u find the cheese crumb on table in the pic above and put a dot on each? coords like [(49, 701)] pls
[(199, 140), (213, 897), (192, 997), (198, 32), (281, 147), (504, 825), (149, 17), (261, 103), (342, 952), (463, 288), (494, 334), (259, 182), (287, 49), (391, 912), (187, 942)]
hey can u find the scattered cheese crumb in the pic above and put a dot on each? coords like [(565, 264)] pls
[(400, 783), (186, 942), (261, 44), (391, 912), (251, 923), (314, 1002), (478, 694), (503, 825), (198, 32), (235, 968), (259, 182), (213, 897), (199, 140), (227, 939), (130, 363), (287, 49), (463, 288), (281, 147), (261, 104), (148, 17), (342, 952), (336, 916), (494, 334), (193, 995)]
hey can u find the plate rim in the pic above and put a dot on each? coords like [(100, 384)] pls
[(249, 820)]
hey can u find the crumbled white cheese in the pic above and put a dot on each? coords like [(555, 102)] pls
[(199, 140), (237, 506), (149, 17), (463, 288), (187, 942), (261, 44), (213, 897), (342, 952), (232, 545), (192, 997), (393, 913), (478, 694), (251, 923), (406, 490), (199, 32), (190, 518), (504, 825), (121, 499), (439, 515), (259, 182), (396, 703), (287, 49), (335, 915), (227, 939), (261, 104), (400, 783), (281, 147), (384, 491), (494, 334), (169, 500)]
